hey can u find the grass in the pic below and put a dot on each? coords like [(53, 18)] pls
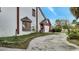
[(73, 37), (74, 41), (19, 41)]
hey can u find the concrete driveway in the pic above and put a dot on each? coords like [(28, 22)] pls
[(52, 43)]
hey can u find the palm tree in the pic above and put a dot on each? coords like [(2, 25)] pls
[(75, 11)]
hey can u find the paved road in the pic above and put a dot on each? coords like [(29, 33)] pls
[(51, 43)]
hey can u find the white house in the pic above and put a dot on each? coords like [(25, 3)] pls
[(20, 19), (45, 25)]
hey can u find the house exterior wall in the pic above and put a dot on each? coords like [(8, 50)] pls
[(7, 21), (26, 11), (46, 28)]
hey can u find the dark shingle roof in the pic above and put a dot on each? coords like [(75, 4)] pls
[(45, 22), (26, 19)]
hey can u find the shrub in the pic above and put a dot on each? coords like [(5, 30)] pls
[(65, 27), (74, 34), (53, 30), (58, 29)]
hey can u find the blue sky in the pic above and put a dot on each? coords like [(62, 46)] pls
[(54, 13)]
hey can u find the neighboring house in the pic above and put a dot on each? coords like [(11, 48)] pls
[(62, 22), (19, 20), (58, 23), (45, 25)]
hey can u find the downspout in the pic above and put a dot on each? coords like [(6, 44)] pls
[(36, 19), (17, 30)]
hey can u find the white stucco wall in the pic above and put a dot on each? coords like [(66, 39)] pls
[(8, 17), (27, 11), (7, 21), (46, 28)]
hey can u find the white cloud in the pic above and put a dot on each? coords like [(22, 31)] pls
[(52, 10)]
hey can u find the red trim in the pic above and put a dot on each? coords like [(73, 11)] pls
[(17, 20)]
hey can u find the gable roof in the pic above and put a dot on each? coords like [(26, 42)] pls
[(42, 13), (45, 22), (26, 19)]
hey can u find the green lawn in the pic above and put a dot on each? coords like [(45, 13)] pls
[(73, 36), (19, 41), (74, 41)]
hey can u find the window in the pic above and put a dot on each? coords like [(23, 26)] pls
[(26, 26), (33, 12), (0, 9)]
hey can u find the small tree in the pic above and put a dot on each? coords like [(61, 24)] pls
[(64, 26), (68, 29)]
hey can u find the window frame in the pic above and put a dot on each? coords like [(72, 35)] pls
[(33, 12), (0, 9), (25, 23)]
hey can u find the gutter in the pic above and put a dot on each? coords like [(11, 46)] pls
[(36, 19), (42, 13)]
